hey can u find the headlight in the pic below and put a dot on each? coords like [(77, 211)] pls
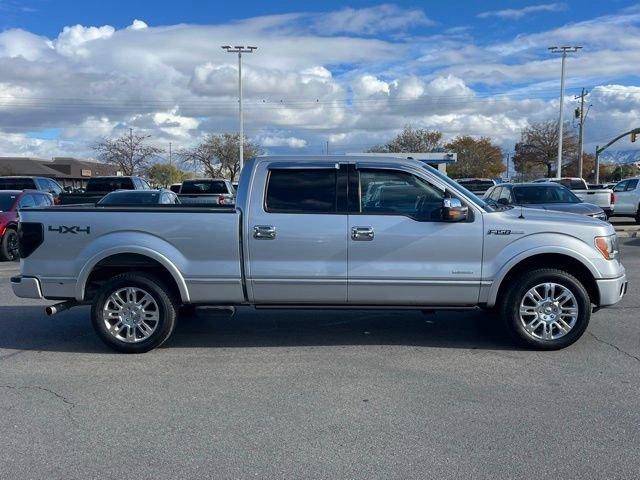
[(600, 216), (608, 246)]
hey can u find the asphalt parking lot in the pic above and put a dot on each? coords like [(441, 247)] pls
[(332, 394)]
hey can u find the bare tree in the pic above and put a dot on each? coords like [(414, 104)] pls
[(218, 155), (411, 140), (129, 153), (537, 152)]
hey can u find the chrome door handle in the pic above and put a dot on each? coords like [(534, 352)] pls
[(362, 234), (264, 232)]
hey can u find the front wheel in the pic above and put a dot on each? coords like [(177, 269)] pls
[(9, 246), (546, 309), (134, 313)]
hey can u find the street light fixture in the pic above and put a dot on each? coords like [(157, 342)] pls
[(563, 51), (240, 49)]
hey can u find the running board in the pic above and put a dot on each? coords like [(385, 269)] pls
[(290, 306)]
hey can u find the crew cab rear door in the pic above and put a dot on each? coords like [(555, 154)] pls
[(398, 257), (297, 234)]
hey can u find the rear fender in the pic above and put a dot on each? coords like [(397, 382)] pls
[(134, 243)]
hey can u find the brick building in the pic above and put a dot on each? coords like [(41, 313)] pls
[(66, 171)]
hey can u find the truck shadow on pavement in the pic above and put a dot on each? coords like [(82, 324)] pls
[(28, 328)]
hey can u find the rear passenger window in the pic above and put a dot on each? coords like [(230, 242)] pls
[(42, 201), (27, 202), (301, 191)]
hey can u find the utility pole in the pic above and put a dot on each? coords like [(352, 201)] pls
[(581, 116), (563, 51), (240, 49), (170, 162), (327, 147)]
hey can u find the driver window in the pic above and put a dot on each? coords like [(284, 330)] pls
[(620, 186), (505, 196), (394, 192)]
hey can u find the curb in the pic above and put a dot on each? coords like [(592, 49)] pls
[(627, 234)]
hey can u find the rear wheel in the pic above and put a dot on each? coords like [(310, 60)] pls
[(638, 215), (134, 313), (9, 246), (546, 309)]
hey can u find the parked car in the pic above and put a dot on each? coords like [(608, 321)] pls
[(175, 188), (477, 185), (140, 197), (42, 184), (10, 202), (301, 235), (545, 196), (602, 197), (628, 198), (208, 191), (98, 187)]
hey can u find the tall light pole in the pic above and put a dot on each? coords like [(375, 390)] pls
[(562, 50), (240, 49)]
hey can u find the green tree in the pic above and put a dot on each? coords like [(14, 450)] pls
[(219, 156), (411, 140), (165, 174), (476, 157)]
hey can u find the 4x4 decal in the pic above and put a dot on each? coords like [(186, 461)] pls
[(74, 229)]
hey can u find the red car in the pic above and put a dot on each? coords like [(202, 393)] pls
[(10, 202)]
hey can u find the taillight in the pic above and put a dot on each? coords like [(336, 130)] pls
[(220, 200), (30, 235), (613, 198)]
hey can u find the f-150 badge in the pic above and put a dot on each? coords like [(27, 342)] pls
[(74, 229), (504, 232)]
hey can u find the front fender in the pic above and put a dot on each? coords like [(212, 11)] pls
[(538, 244), (131, 242)]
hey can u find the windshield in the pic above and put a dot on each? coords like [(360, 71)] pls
[(109, 184), (456, 186), (476, 185), (205, 186), (130, 198), (538, 194), (6, 200), (16, 183)]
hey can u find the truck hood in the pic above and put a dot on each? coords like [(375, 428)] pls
[(534, 220), (579, 208)]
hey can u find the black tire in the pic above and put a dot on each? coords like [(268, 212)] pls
[(515, 293), (637, 218), (9, 246), (165, 304)]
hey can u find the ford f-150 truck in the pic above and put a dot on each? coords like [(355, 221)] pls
[(323, 232)]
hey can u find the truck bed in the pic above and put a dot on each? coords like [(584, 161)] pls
[(204, 246)]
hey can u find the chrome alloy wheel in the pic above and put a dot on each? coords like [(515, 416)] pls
[(548, 311), (131, 315)]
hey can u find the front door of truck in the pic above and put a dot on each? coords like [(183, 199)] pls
[(400, 252), (297, 235)]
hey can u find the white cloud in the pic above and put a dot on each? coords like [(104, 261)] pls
[(517, 13), (72, 40), (371, 20), (275, 141), (137, 25)]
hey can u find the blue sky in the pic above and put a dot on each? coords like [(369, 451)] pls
[(351, 74)]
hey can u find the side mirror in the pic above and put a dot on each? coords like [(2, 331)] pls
[(453, 210)]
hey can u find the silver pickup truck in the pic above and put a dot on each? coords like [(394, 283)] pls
[(323, 232)]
